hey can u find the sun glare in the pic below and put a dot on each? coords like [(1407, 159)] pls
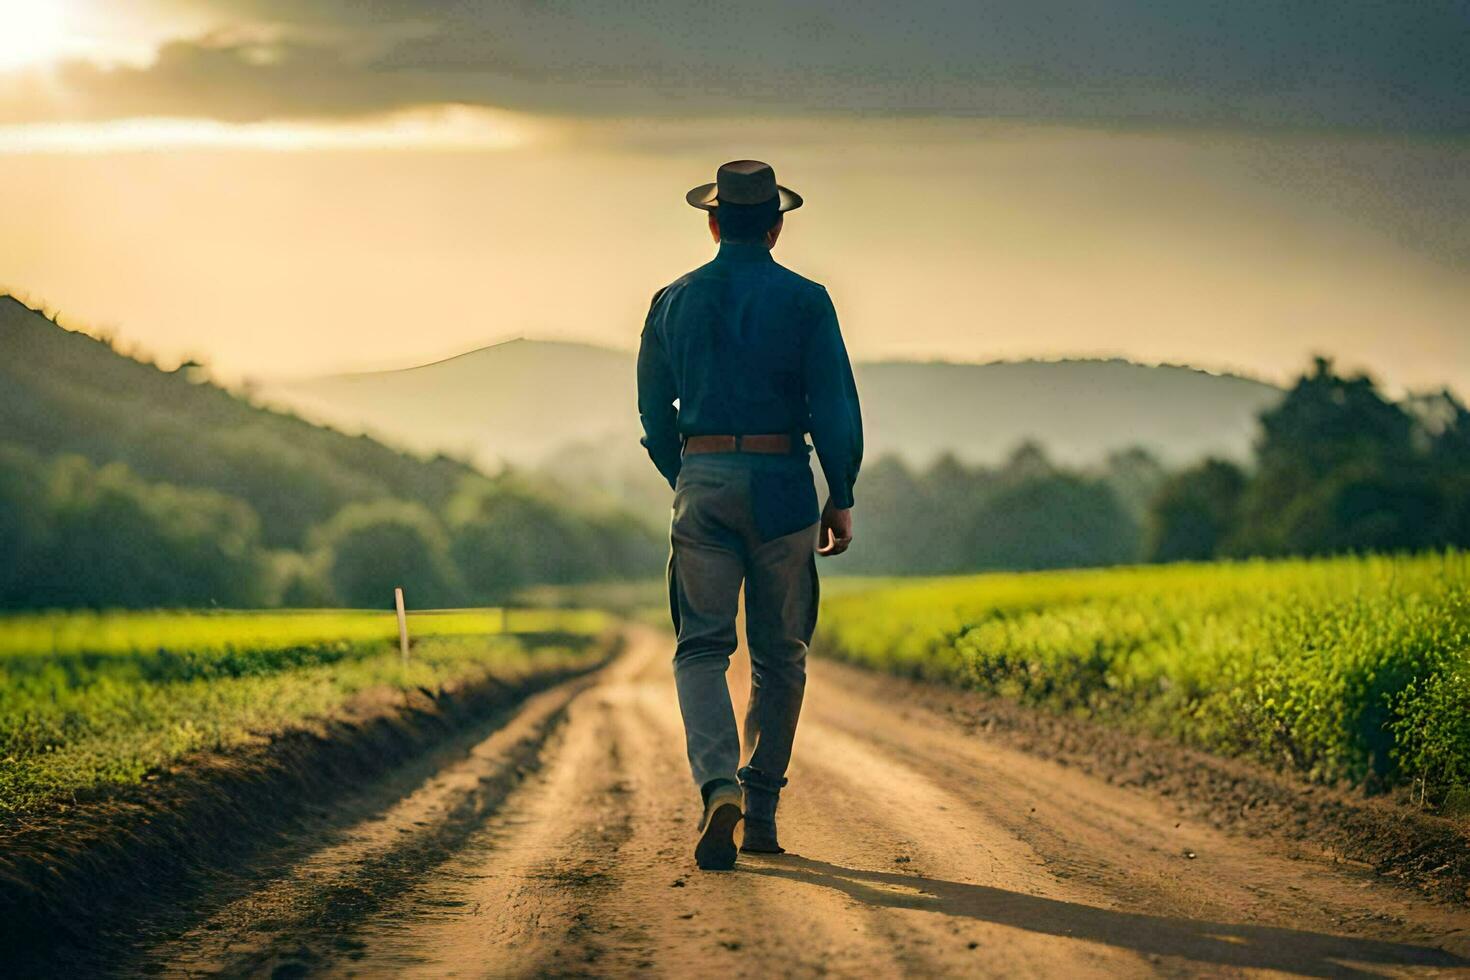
[(447, 127), (32, 32)]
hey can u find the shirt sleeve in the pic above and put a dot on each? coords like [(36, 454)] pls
[(656, 396), (832, 400)]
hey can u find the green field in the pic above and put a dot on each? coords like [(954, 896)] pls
[(92, 700), (1351, 669)]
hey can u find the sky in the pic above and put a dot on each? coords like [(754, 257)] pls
[(289, 187)]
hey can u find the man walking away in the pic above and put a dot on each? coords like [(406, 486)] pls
[(752, 354)]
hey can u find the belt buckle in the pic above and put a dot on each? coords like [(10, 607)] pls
[(739, 442)]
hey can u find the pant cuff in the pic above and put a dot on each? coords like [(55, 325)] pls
[(750, 776)]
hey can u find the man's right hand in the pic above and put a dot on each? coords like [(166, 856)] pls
[(836, 531)]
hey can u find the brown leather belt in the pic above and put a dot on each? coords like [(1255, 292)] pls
[(777, 443)]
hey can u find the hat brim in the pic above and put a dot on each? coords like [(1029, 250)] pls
[(705, 197)]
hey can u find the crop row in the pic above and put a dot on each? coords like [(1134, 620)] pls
[(92, 701), (1346, 669)]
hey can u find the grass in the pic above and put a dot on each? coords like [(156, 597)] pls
[(1348, 669), (130, 633), (90, 701)]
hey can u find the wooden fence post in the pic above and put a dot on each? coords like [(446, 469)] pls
[(402, 625)]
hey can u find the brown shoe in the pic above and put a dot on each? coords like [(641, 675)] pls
[(716, 848)]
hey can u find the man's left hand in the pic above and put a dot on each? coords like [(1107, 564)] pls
[(836, 531)]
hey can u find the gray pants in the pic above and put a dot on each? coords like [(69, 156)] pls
[(717, 546)]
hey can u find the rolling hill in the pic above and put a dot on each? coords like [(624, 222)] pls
[(525, 401), (63, 392), (124, 485)]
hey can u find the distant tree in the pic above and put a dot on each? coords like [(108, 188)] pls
[(102, 537), (1336, 470), (369, 549), (1057, 521), (1135, 475), (896, 531), (1356, 509), (1028, 461), (949, 482), (300, 581), (624, 546), (1449, 456), (155, 544), (1328, 421), (949, 494), (508, 535), (1194, 512), (26, 532)]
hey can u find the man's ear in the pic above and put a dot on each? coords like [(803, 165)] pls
[(714, 227), (774, 233)]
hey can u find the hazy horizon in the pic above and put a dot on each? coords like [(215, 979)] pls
[(133, 347), (632, 348), (130, 347)]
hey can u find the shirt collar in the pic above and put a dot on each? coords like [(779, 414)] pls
[(744, 252)]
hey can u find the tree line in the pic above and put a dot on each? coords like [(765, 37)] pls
[(1026, 513), (79, 535), (1338, 468), (123, 484)]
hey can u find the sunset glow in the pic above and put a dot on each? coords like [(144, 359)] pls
[(32, 32), (436, 127), (429, 176)]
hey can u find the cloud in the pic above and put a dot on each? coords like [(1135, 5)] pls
[(1294, 63), (213, 77), (440, 127)]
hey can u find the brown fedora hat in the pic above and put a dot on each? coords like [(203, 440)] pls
[(743, 182)]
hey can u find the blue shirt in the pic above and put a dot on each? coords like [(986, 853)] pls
[(746, 346)]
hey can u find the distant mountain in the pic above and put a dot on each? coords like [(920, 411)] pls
[(514, 402), (525, 402), (64, 393), (1080, 410)]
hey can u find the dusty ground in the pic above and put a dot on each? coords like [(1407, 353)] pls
[(561, 845)]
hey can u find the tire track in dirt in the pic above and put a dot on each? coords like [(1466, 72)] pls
[(1134, 875), (918, 848), (521, 891), (589, 872), (736, 924), (1123, 841), (302, 917)]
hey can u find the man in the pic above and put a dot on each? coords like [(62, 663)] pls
[(752, 354)]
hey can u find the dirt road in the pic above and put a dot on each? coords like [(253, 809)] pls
[(560, 845)]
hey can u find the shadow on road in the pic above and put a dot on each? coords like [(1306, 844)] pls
[(1259, 947)]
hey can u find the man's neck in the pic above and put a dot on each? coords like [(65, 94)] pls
[(745, 251)]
